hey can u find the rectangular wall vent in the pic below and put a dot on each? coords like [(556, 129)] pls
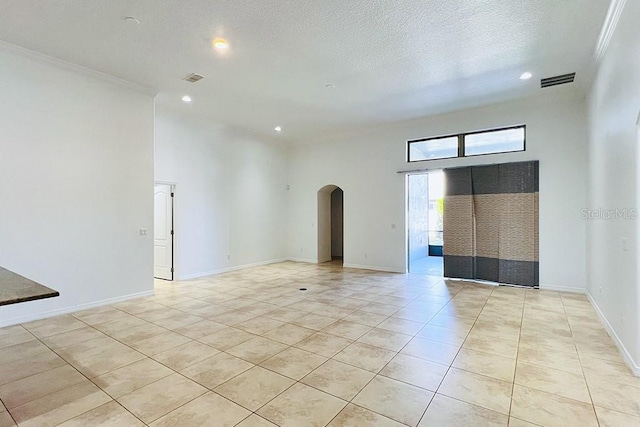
[(557, 80), (193, 77)]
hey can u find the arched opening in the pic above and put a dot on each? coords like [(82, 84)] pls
[(330, 224)]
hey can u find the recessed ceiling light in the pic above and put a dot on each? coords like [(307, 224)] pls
[(186, 99), (277, 129), (132, 20), (526, 75), (330, 86), (220, 44)]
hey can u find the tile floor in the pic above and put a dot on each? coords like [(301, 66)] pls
[(356, 348)]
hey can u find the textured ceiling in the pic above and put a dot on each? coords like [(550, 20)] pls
[(388, 59)]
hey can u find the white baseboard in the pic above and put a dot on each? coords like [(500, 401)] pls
[(562, 288), (200, 274), (228, 269), (72, 309), (358, 266), (612, 333), (375, 268), (305, 260)]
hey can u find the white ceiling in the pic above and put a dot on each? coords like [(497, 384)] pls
[(388, 59)]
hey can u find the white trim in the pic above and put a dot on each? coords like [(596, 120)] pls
[(72, 309), (347, 265), (200, 274), (562, 288), (609, 27), (635, 369), (305, 260), (375, 268), (228, 269), (75, 68)]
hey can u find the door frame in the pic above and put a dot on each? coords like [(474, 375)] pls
[(323, 217), (174, 236)]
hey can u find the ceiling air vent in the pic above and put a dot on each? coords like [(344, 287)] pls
[(557, 80), (193, 77)]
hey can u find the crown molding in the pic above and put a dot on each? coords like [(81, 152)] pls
[(75, 68), (609, 27)]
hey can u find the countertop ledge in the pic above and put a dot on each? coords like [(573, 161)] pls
[(15, 288)]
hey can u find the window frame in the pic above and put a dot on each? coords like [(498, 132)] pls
[(435, 138), (462, 146)]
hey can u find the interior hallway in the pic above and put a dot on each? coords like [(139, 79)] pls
[(357, 348)]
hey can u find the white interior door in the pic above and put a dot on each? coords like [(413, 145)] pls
[(163, 232)]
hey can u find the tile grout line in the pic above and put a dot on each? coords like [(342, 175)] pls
[(128, 364), (584, 377), (416, 335), (47, 370), (55, 391), (564, 371), (515, 369), (449, 366), (315, 388), (175, 372), (86, 377), (457, 353), (9, 413), (351, 400), (320, 298)]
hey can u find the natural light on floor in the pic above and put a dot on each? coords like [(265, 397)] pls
[(355, 348)]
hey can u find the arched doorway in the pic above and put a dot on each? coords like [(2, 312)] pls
[(330, 224)]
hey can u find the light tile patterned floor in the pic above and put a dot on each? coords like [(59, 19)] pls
[(357, 348)]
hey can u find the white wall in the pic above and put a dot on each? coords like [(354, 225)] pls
[(336, 223), (230, 193), (76, 166), (364, 165), (614, 171)]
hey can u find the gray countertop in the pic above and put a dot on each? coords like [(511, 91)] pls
[(15, 288)]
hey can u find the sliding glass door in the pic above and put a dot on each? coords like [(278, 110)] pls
[(491, 223), (426, 222)]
